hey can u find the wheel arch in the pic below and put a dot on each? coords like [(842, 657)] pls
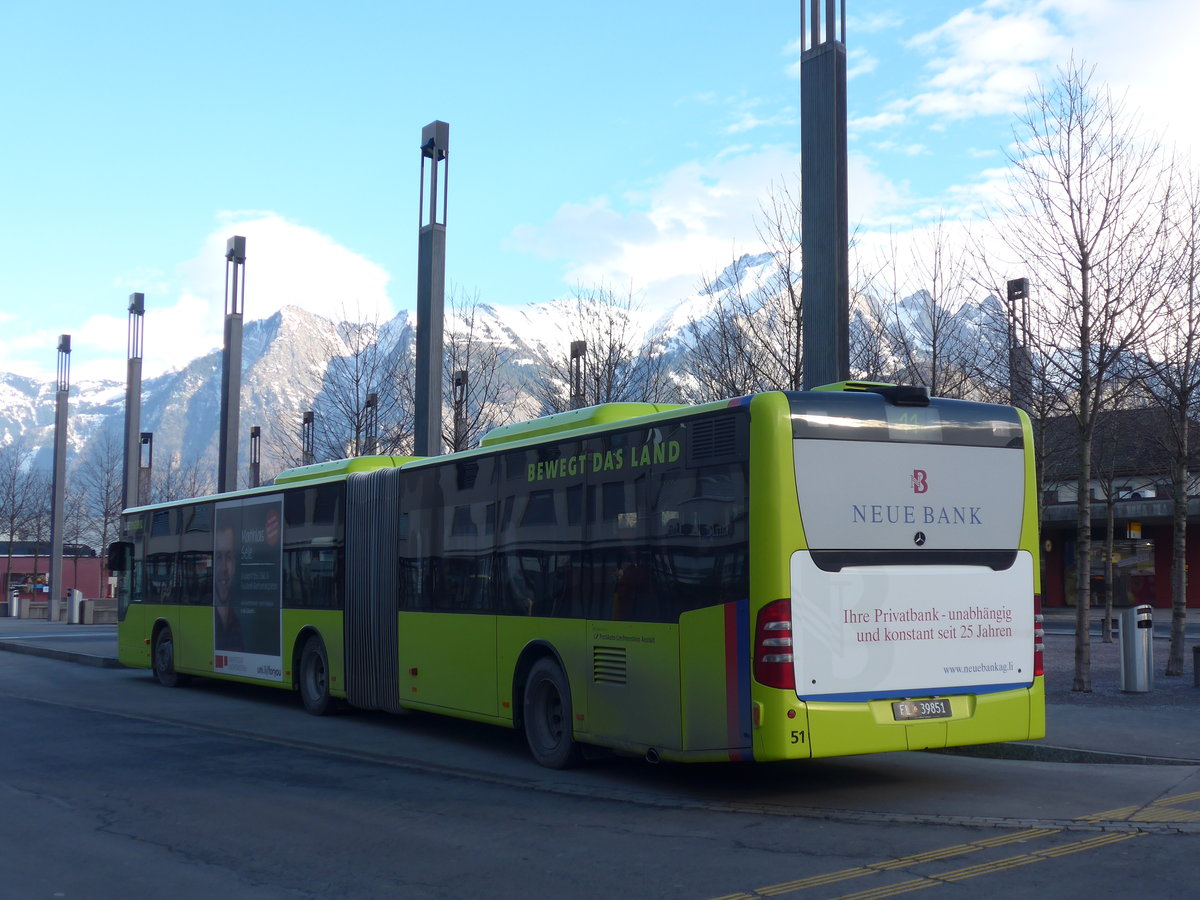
[(160, 624), (302, 637), (530, 655)]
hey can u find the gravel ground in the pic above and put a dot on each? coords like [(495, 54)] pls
[(1106, 676)]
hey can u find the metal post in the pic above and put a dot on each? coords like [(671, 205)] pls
[(578, 352), (460, 410), (431, 289), (145, 466), (255, 455), (231, 363), (825, 232), (371, 426), (59, 487), (307, 438), (133, 399)]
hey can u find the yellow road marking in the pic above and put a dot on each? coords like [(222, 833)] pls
[(999, 865), (775, 890), (1158, 811)]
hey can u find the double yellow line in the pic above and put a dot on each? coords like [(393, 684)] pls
[(1158, 811)]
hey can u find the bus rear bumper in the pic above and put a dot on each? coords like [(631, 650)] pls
[(844, 729)]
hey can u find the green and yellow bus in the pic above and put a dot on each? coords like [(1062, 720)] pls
[(782, 576)]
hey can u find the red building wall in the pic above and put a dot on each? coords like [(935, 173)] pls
[(85, 574)]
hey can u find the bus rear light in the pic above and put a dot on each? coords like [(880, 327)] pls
[(773, 657), (1039, 636)]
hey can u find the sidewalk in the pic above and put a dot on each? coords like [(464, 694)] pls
[(91, 645), (1103, 726)]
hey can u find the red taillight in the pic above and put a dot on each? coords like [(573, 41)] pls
[(1039, 636), (773, 659)]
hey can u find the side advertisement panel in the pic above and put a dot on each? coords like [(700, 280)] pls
[(247, 588)]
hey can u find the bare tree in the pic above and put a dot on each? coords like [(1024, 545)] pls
[(100, 475), (1013, 367), (488, 397), (77, 530), (179, 479), (618, 364), (363, 370), (1082, 214), (1172, 382), (751, 339), (38, 513), (922, 310), (16, 490), (362, 399), (871, 358), (722, 361)]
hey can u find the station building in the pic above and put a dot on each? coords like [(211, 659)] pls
[(25, 567), (1131, 472)]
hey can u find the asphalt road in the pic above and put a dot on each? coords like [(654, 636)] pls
[(116, 787)]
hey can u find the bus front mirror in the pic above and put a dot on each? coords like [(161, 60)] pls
[(120, 555)]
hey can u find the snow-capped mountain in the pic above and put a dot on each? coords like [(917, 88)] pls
[(287, 361)]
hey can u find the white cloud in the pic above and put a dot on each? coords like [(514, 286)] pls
[(1145, 51), (903, 149), (985, 58), (875, 122), (690, 223), (290, 264), (874, 200), (286, 264), (859, 62), (872, 23), (661, 240)]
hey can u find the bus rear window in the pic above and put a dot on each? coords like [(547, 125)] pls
[(870, 417)]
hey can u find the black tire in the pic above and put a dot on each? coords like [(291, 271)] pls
[(314, 677), (547, 716), (162, 659)]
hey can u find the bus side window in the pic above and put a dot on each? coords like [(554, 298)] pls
[(196, 555), (314, 547), (162, 548)]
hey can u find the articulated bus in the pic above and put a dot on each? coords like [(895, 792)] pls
[(783, 576)]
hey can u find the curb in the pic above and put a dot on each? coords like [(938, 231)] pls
[(1030, 752), (87, 659)]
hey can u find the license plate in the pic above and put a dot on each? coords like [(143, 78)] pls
[(904, 710)]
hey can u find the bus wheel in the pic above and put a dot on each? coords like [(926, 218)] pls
[(314, 677), (163, 659), (547, 715)]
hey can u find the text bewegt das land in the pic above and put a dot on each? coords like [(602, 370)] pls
[(933, 624)]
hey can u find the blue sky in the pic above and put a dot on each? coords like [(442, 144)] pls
[(621, 143)]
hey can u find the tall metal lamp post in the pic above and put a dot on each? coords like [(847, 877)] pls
[(59, 488), (431, 290), (133, 398), (231, 363), (825, 228)]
